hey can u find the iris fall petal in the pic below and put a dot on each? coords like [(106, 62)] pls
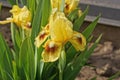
[(43, 35), (78, 41), (51, 52)]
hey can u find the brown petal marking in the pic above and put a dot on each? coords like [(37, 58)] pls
[(49, 49), (28, 26), (67, 6), (42, 36), (79, 39)]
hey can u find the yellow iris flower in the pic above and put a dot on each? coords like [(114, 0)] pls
[(70, 5), (20, 16), (60, 31), (56, 4)]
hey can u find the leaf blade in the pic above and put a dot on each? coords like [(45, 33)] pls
[(88, 31), (78, 22), (76, 65)]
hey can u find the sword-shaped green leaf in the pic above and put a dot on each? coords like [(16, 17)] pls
[(78, 22), (88, 31), (73, 69), (5, 60)]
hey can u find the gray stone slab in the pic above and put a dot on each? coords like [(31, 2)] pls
[(109, 9), (104, 3), (5, 3)]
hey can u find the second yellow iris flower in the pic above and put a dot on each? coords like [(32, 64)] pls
[(20, 16)]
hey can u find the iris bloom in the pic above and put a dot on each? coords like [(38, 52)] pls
[(56, 34), (20, 16), (56, 4), (70, 5)]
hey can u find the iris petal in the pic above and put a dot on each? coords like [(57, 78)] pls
[(61, 28), (70, 5), (78, 41), (43, 35), (8, 20), (60, 31), (20, 16), (52, 51), (56, 4)]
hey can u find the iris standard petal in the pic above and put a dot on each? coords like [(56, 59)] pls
[(15, 10), (78, 41), (70, 5), (15, 14), (56, 4), (52, 51), (61, 28)]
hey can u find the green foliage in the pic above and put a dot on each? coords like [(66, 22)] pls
[(37, 21), (114, 76), (79, 61), (5, 60), (88, 31), (24, 61), (12, 2), (41, 17), (27, 59), (16, 38), (46, 11), (78, 22)]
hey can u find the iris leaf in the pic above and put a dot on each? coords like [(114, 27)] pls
[(27, 59), (74, 67), (78, 22), (5, 60), (88, 31)]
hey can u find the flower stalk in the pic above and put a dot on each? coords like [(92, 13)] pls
[(62, 63)]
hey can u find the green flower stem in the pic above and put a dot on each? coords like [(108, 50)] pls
[(23, 34), (60, 75), (62, 63), (17, 2)]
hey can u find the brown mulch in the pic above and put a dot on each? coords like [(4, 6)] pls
[(103, 63)]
